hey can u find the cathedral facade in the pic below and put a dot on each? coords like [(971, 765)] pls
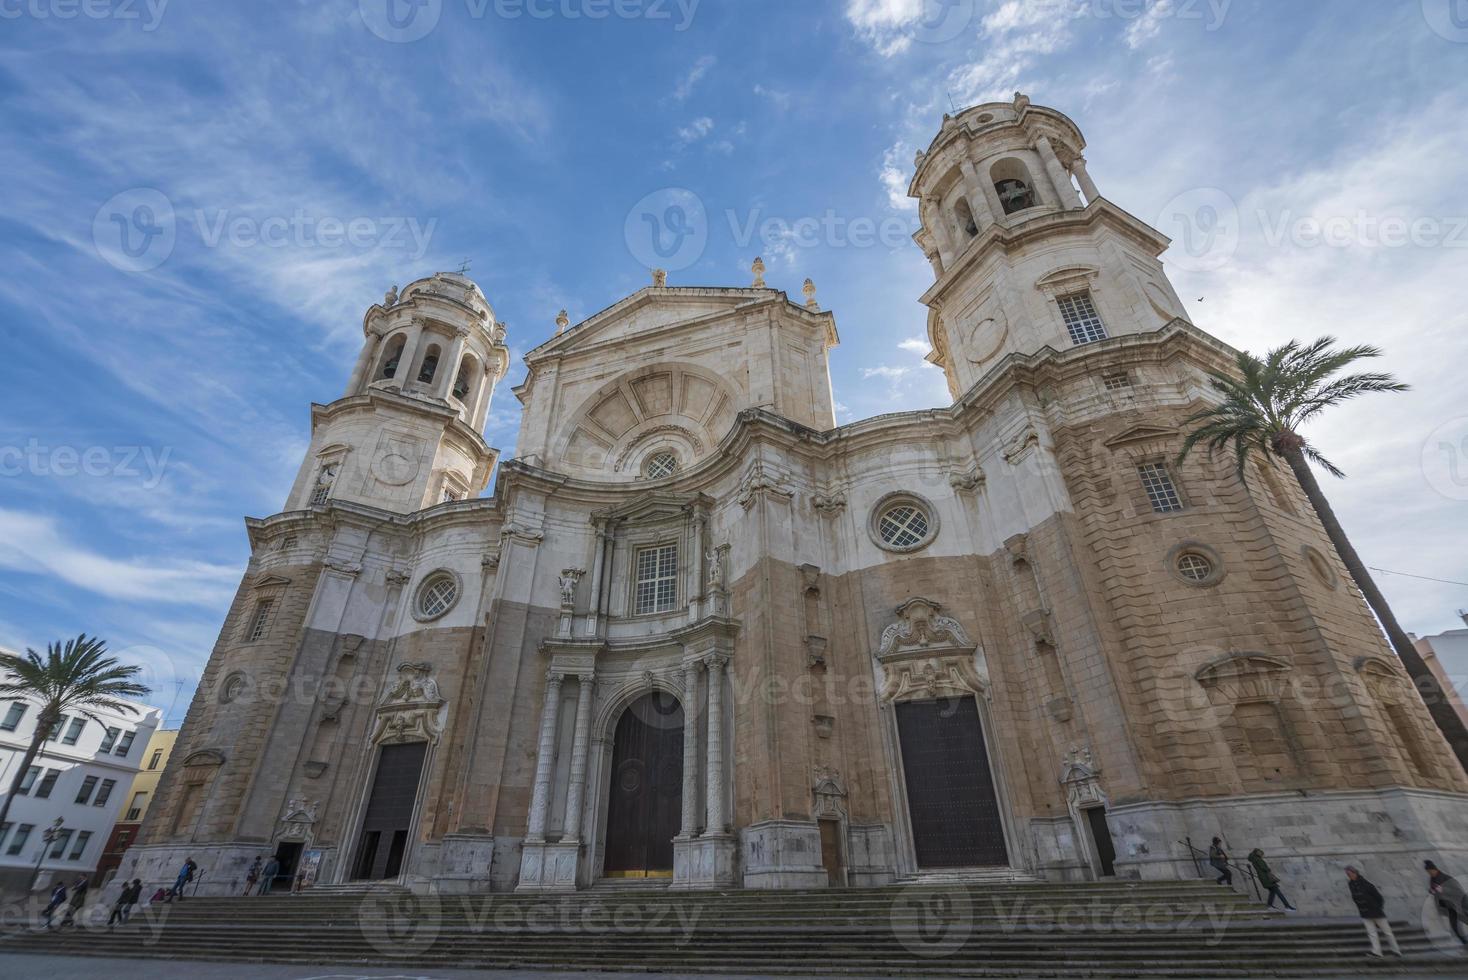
[(702, 634)]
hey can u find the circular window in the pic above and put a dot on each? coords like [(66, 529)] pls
[(987, 117), (437, 595), (660, 465), (903, 522), (1320, 566), (232, 688), (1196, 564), (1195, 567)]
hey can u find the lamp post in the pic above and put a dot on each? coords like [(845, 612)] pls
[(48, 837)]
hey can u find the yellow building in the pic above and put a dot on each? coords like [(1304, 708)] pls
[(144, 788)]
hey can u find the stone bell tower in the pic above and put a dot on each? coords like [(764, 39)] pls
[(1026, 252), (408, 432)]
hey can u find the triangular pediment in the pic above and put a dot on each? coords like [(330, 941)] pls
[(649, 311), (654, 507), (1139, 433), (270, 581)]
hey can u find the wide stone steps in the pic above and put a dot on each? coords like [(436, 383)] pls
[(1141, 929)]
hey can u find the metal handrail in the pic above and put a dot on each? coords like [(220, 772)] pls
[(1247, 871)]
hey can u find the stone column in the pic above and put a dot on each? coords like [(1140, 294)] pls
[(715, 770), (690, 752), (365, 360), (978, 200), (408, 360), (579, 748), (545, 764), (1078, 167), (593, 604), (937, 223), (444, 384), (1063, 187)]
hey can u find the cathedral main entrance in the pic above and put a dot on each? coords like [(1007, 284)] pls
[(645, 805), (950, 788), (388, 821)]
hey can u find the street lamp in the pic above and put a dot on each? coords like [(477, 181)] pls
[(48, 837)]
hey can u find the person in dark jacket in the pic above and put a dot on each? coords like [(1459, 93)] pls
[(1218, 857), (185, 875), (1451, 900), (77, 900), (1373, 912), (58, 897), (267, 879), (1268, 879), (123, 907)]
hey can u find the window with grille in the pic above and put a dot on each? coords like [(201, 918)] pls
[(325, 480), (903, 526), (1081, 318), (1161, 492), (450, 495), (260, 623), (13, 716), (437, 596), (105, 792), (657, 580), (1194, 567), (88, 784), (126, 744), (661, 465), (1119, 381)]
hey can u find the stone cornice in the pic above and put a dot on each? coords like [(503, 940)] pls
[(966, 125), (382, 398)]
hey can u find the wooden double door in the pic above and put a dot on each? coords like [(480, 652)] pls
[(950, 789), (388, 822), (645, 807)]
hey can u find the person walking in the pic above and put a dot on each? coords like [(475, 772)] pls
[(123, 907), (77, 900), (1373, 912), (253, 876), (272, 871), (1268, 879), (1451, 899), (1218, 857), (58, 897), (185, 875)]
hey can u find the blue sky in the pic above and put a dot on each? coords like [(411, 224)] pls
[(298, 158)]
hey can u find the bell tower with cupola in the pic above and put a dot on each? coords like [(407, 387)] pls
[(408, 432), (1026, 252)]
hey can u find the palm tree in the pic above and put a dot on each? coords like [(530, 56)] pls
[(74, 677), (1264, 408)]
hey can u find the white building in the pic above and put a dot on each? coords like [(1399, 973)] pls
[(81, 775), (1447, 657)]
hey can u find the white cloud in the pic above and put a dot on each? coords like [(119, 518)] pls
[(916, 345), (884, 23), (694, 131), (695, 75), (34, 544), (780, 100), (1149, 25), (895, 179)]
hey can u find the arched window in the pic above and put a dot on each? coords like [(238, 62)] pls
[(464, 382), (1014, 186), (392, 358), (965, 216), (430, 365)]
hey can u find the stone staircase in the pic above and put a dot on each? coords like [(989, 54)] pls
[(998, 929)]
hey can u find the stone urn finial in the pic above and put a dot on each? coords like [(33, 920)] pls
[(809, 290), (660, 278), (759, 273), (562, 322)]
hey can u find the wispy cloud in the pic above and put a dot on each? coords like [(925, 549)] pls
[(684, 89)]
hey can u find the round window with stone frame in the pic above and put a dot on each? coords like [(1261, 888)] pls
[(436, 596), (232, 688), (903, 522), (1195, 564), (1320, 565), (660, 465)]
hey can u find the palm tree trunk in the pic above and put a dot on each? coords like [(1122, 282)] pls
[(32, 750), (1426, 682)]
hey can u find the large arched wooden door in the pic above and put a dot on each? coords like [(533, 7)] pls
[(645, 807)]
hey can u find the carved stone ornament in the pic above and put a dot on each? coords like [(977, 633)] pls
[(968, 480), (830, 794), (1020, 448), (569, 579), (925, 654), (829, 506), (759, 273), (1245, 677), (660, 278), (1081, 778), (409, 710), (758, 483), (300, 817)]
